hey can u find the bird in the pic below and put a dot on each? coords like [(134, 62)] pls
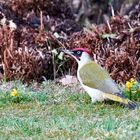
[(95, 79)]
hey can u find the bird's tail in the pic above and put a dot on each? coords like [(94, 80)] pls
[(132, 105), (124, 101)]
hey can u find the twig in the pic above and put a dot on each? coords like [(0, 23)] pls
[(130, 95), (59, 67), (54, 67), (108, 25), (96, 29), (53, 37), (41, 21), (11, 43), (112, 11), (99, 16), (89, 31)]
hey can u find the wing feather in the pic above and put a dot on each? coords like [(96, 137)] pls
[(94, 76)]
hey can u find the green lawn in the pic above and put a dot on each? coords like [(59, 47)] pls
[(56, 112)]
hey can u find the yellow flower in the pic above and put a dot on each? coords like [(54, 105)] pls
[(14, 92), (128, 84)]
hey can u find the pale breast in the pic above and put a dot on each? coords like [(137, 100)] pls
[(95, 94)]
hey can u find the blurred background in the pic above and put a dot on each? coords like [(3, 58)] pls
[(32, 30), (96, 11)]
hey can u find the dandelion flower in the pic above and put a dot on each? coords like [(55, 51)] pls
[(129, 84), (14, 93)]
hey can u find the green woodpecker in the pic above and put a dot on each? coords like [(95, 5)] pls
[(96, 80)]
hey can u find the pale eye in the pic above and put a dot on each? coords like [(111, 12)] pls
[(79, 52)]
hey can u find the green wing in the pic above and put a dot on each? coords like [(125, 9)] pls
[(94, 76)]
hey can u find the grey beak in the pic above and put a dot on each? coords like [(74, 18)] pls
[(68, 52)]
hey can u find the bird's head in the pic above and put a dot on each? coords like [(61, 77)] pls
[(81, 55)]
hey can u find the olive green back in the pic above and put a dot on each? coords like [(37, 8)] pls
[(94, 76)]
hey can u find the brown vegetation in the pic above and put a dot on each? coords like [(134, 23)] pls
[(28, 35)]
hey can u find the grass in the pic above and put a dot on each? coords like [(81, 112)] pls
[(56, 112)]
